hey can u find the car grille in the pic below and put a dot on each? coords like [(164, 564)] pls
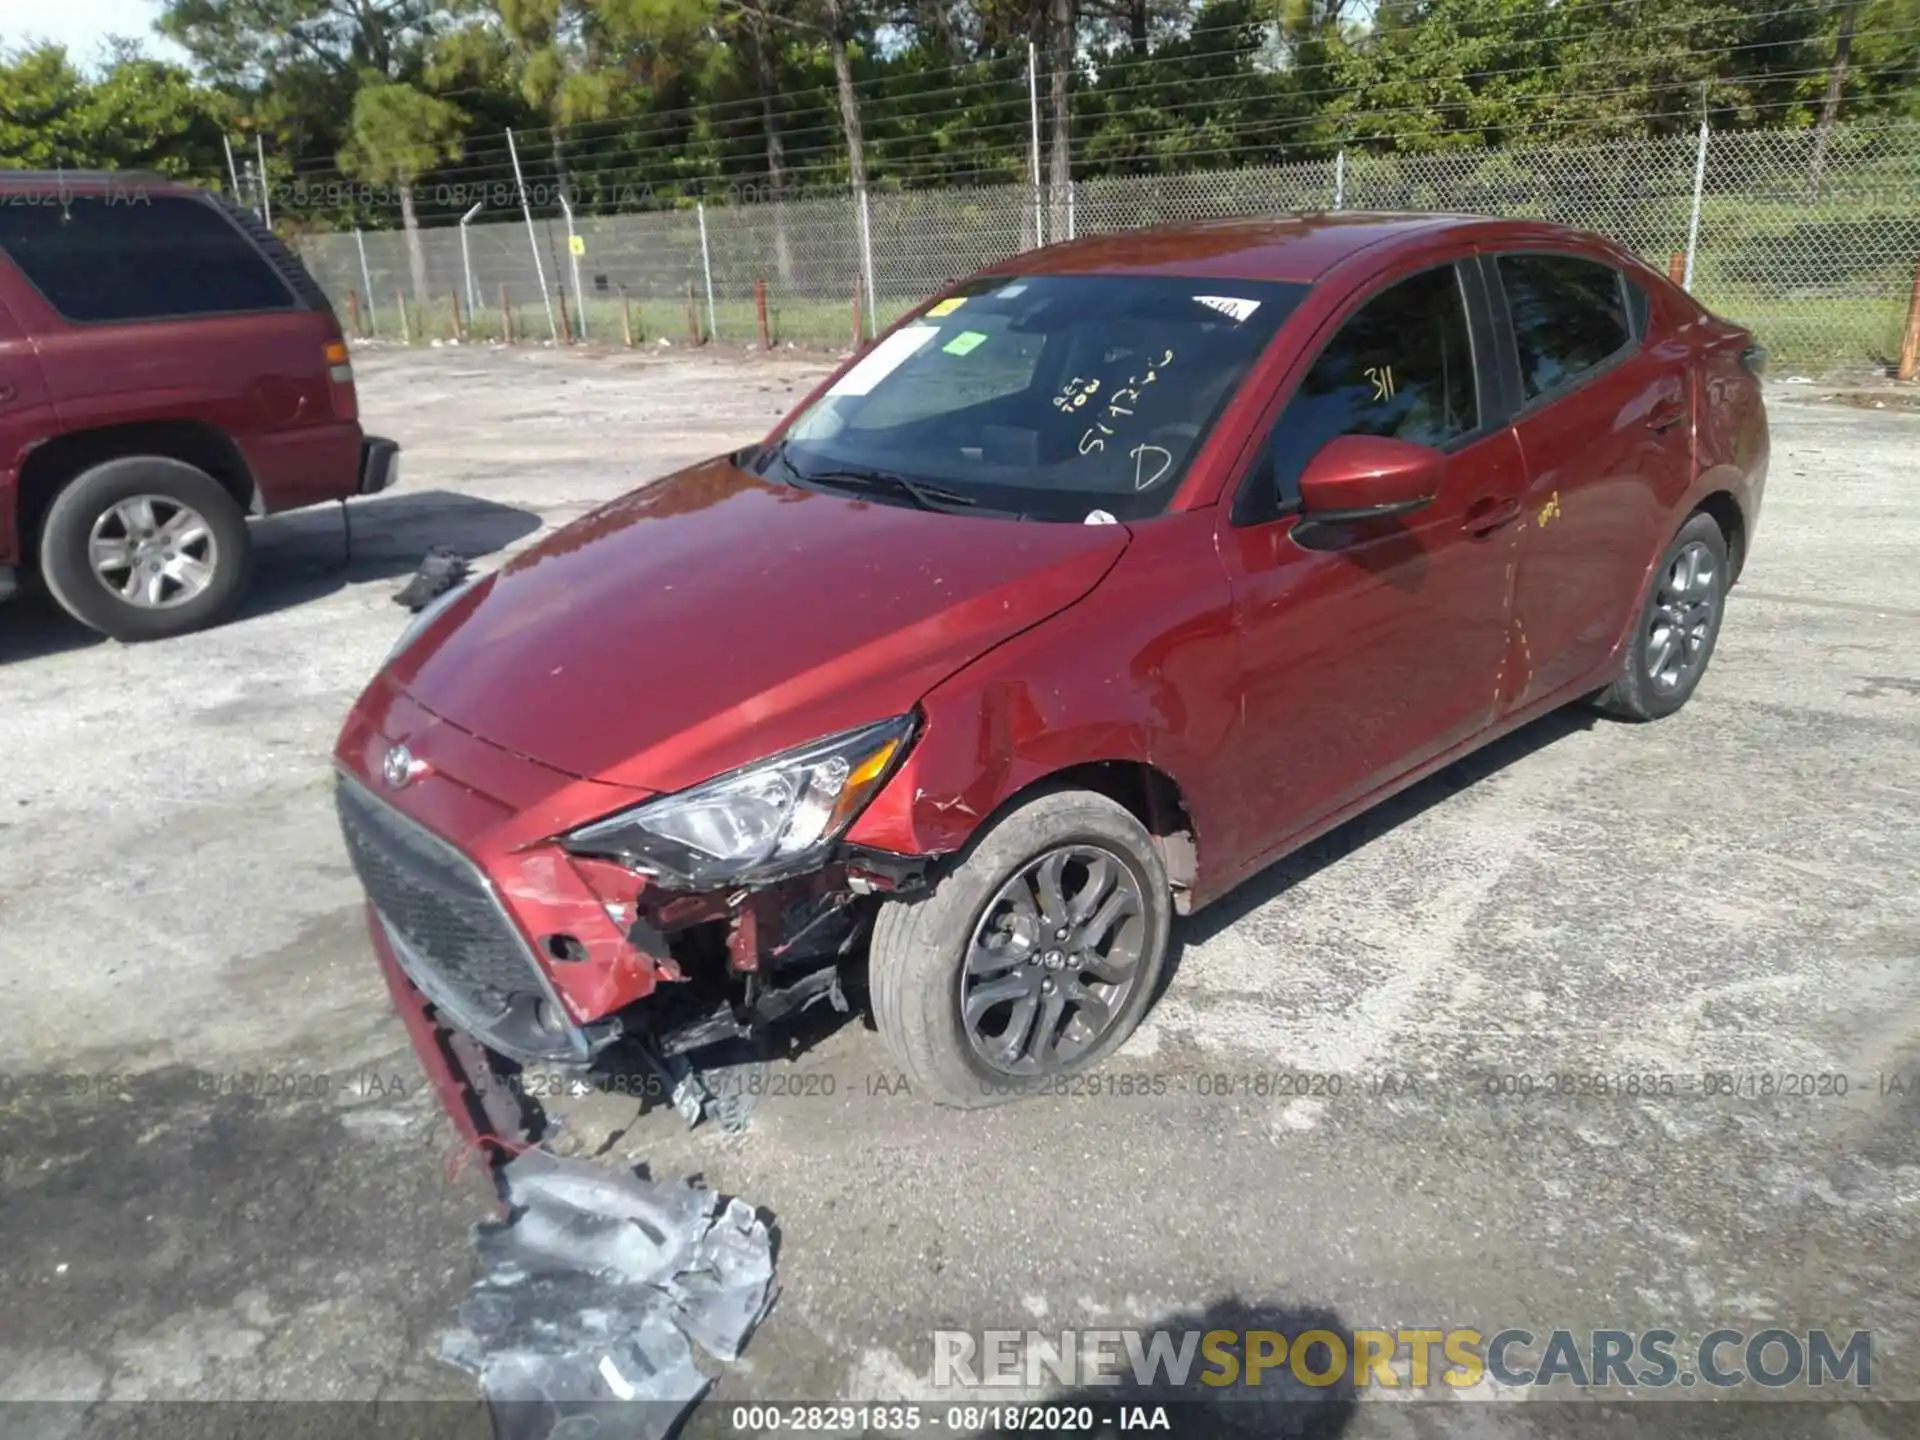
[(437, 902)]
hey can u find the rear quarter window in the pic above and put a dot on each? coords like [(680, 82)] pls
[(101, 258)]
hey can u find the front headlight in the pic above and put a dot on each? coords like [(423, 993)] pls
[(764, 822)]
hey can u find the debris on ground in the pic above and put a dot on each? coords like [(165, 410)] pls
[(440, 570), (593, 1286)]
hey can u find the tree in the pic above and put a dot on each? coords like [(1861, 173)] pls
[(138, 114), (294, 67), (571, 61), (245, 41), (763, 54), (832, 23), (397, 134), (1830, 107)]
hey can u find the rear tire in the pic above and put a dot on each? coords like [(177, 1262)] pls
[(1026, 901), (145, 547), (1674, 634)]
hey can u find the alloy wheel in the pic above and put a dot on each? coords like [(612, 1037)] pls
[(153, 552), (1053, 960), (1684, 611)]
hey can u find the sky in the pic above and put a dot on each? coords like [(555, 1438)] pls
[(83, 25)]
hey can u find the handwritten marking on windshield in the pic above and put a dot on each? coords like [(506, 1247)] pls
[(1382, 378), (1090, 443), (1075, 394), (1140, 454)]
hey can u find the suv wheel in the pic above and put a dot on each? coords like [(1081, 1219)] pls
[(144, 547), (1032, 958), (1673, 638)]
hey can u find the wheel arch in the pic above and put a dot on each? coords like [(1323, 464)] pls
[(1732, 520), (1144, 790), (1149, 794), (56, 463)]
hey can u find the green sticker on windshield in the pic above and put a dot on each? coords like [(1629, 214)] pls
[(965, 343)]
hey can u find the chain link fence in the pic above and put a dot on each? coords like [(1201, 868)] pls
[(1813, 247)]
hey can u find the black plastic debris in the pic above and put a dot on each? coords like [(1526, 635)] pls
[(440, 570), (592, 1288)]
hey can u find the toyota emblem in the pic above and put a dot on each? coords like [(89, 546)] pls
[(400, 767)]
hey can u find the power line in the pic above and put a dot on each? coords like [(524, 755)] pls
[(531, 136), (1439, 80)]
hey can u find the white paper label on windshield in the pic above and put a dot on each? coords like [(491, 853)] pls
[(1231, 306), (885, 358)]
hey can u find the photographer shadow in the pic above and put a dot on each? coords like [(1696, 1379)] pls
[(1277, 1405)]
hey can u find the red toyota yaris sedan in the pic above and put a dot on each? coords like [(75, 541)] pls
[(1095, 586)]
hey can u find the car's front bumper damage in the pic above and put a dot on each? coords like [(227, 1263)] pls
[(544, 973)]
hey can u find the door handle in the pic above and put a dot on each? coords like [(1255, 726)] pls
[(1666, 415), (7, 392), (1487, 515)]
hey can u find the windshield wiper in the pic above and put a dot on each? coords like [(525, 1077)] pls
[(926, 497)]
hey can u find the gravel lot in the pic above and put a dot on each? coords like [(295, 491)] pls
[(1731, 891)]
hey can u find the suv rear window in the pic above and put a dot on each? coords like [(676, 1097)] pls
[(1569, 317), (136, 257)]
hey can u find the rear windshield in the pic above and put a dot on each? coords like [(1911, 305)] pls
[(1050, 396), (135, 255)]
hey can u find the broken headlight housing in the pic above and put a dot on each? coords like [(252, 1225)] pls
[(763, 822)]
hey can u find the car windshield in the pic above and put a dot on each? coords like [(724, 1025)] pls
[(1048, 396)]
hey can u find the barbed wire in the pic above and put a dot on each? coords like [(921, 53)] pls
[(535, 135), (1011, 157)]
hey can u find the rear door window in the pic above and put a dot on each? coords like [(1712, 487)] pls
[(134, 256), (1569, 315)]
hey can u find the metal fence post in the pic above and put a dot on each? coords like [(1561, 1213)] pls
[(533, 240), (866, 264), (266, 196), (466, 258), (1033, 113), (706, 268), (233, 172), (1339, 179), (366, 279), (1693, 224)]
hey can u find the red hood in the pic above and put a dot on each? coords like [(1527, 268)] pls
[(713, 618)]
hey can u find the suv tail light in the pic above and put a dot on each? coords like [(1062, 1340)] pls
[(346, 404)]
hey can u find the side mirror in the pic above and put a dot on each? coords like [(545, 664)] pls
[(1366, 477)]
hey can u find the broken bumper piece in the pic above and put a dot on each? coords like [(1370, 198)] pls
[(591, 1290)]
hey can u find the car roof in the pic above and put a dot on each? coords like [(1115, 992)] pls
[(1298, 248)]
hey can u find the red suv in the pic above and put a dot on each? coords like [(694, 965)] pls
[(167, 368), (1092, 588)]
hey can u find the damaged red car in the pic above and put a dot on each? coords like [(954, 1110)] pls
[(1095, 586)]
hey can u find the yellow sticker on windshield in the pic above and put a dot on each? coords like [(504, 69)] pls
[(965, 343), (946, 307)]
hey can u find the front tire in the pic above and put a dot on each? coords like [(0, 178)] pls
[(145, 547), (1679, 622), (1033, 957)]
